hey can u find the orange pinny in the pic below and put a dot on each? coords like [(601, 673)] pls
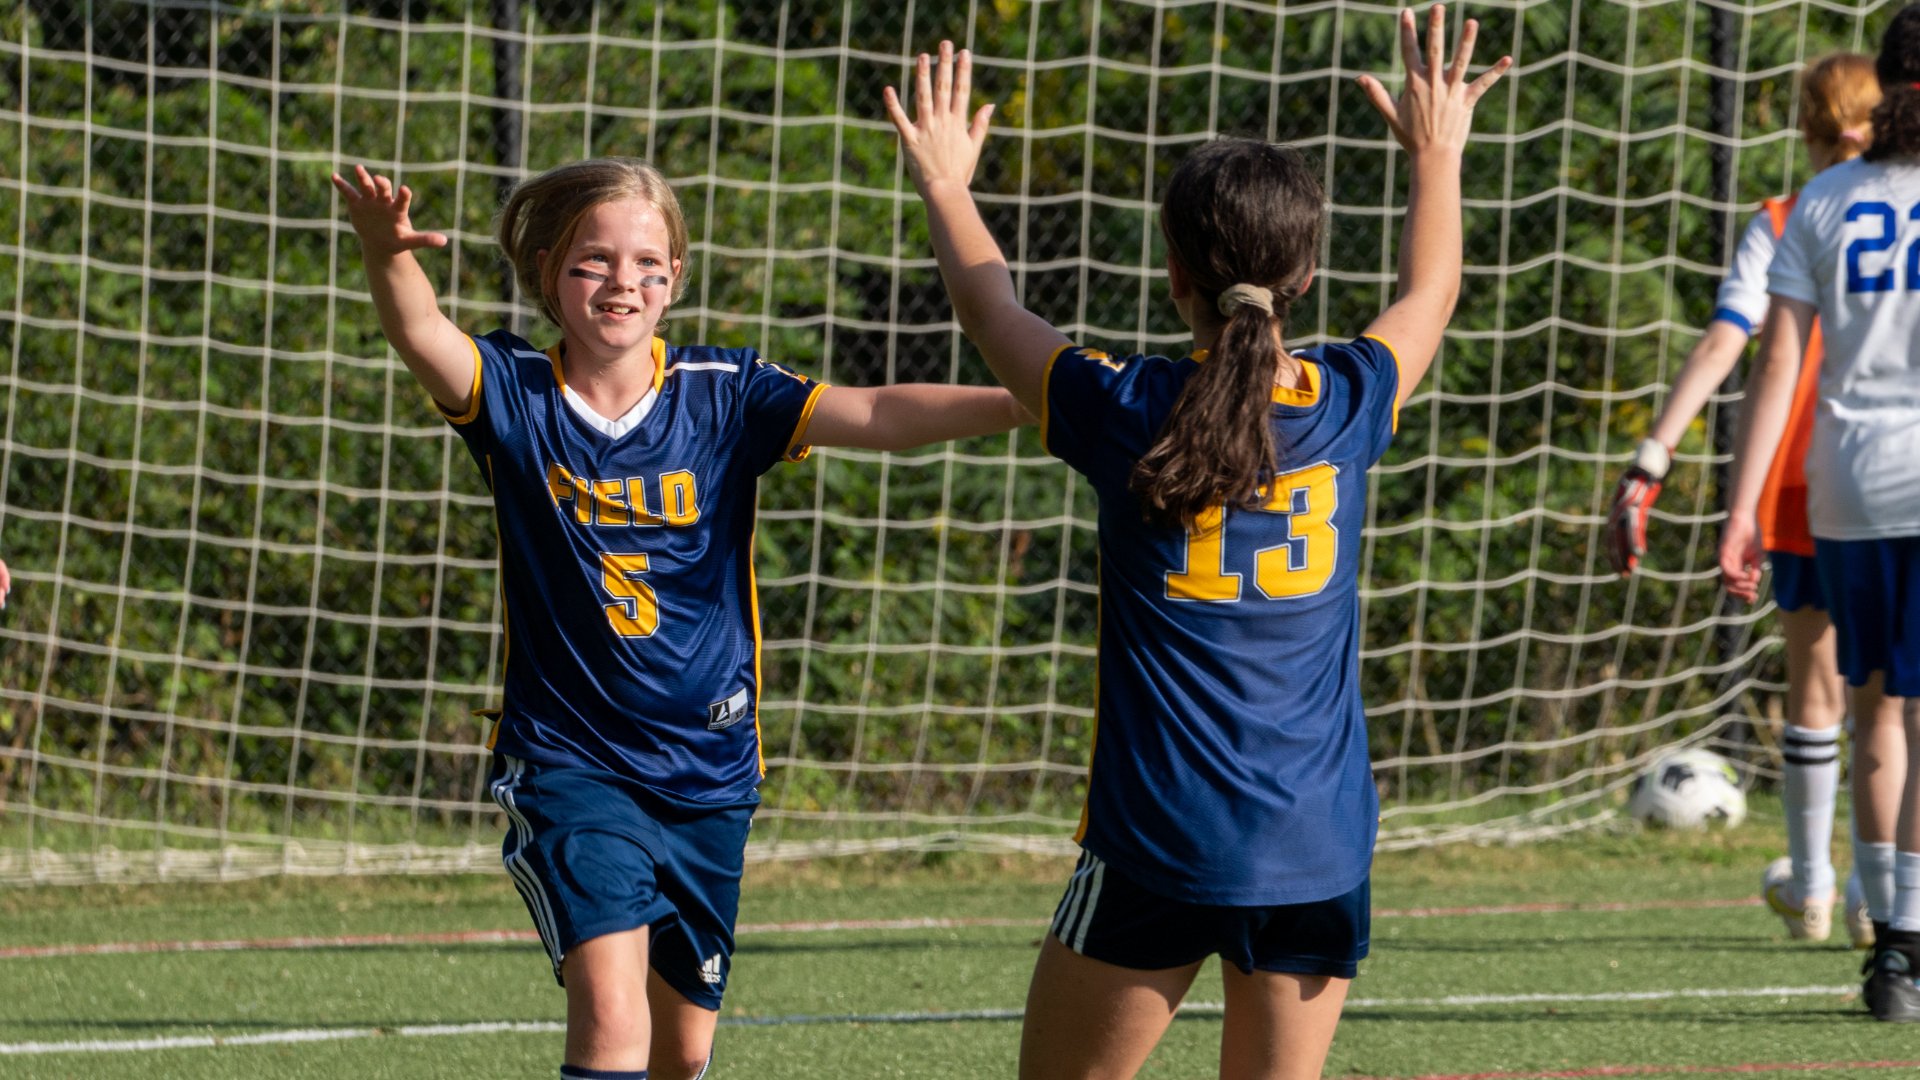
[(1783, 501)]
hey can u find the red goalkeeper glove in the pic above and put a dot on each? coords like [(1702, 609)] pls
[(1632, 501)]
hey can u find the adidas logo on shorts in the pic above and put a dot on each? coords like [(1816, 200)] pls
[(710, 970)]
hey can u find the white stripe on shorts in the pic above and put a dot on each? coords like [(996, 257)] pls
[(1083, 892), (1063, 915), (1093, 901), (517, 865)]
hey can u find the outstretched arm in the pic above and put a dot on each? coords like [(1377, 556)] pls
[(438, 354), (1432, 120), (1763, 420), (907, 415), (942, 147), (6, 584)]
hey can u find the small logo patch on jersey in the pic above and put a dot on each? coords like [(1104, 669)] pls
[(710, 970), (765, 363), (725, 714)]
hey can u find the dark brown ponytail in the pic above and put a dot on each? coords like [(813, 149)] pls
[(1237, 212), (1896, 121)]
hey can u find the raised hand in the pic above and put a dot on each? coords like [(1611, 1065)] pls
[(379, 216), (1435, 108), (942, 144)]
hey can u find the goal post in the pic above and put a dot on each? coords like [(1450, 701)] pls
[(255, 628)]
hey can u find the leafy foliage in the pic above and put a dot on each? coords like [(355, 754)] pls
[(255, 581)]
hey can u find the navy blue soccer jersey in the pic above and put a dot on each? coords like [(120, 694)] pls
[(1230, 748), (626, 559)]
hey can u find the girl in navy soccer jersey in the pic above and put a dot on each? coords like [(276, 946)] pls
[(1837, 96), (1850, 256), (1230, 804), (623, 473)]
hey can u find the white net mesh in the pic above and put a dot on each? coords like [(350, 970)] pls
[(254, 605)]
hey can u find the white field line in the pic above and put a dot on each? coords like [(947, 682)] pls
[(302, 1035), (489, 937)]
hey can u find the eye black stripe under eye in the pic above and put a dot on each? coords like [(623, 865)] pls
[(588, 274), (654, 279)]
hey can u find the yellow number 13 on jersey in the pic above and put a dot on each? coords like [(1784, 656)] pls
[(1300, 567), (635, 611)]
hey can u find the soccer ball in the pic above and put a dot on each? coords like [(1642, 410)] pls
[(1688, 789)]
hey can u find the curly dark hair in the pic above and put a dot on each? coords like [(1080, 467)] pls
[(1896, 122)]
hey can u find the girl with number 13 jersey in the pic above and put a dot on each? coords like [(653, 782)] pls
[(1230, 805)]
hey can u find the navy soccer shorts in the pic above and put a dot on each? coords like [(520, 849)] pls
[(1873, 597), (593, 854), (1796, 581), (1106, 917)]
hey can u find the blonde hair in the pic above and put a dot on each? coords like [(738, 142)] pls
[(543, 212), (1837, 96)]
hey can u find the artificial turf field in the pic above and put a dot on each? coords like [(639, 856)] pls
[(1622, 954)]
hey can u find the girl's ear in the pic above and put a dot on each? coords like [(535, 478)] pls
[(1178, 283)]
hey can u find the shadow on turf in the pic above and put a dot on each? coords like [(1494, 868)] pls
[(1692, 943), (916, 945), (1824, 1016)]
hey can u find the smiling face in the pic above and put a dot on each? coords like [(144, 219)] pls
[(614, 280)]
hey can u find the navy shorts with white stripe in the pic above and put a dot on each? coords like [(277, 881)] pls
[(593, 853), (1106, 916)]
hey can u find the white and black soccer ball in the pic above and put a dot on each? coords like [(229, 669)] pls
[(1688, 789)]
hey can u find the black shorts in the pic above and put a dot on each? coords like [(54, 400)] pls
[(1106, 917)]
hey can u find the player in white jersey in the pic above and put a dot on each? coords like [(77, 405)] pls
[(1837, 96), (1850, 256)]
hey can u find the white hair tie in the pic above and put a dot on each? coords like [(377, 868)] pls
[(1235, 297)]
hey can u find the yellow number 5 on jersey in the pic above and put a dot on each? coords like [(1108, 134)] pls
[(636, 610), (1300, 567)]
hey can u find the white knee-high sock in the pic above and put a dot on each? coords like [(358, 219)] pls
[(1812, 758), (1906, 891), (1875, 863)]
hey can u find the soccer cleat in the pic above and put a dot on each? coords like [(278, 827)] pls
[(1810, 919), (1859, 923), (1889, 991)]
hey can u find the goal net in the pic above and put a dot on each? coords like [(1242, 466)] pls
[(254, 615)]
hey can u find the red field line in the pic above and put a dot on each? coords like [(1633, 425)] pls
[(485, 937)]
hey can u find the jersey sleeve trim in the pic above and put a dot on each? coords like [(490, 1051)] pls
[(1046, 388), (1728, 315), (473, 392), (1399, 375), (797, 449)]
